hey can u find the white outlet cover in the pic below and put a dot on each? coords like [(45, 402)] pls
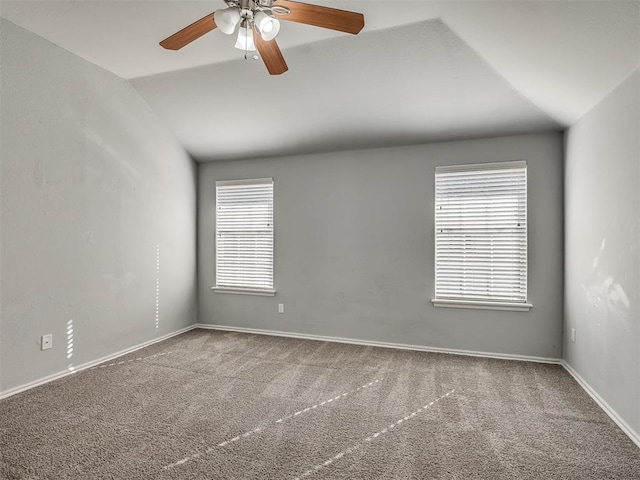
[(281, 308), (46, 341)]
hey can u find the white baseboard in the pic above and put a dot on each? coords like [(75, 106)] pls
[(624, 426), (370, 343), (84, 366)]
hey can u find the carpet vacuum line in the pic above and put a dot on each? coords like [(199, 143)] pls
[(279, 421), (131, 360), (370, 438)]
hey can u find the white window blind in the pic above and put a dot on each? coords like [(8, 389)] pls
[(244, 234), (481, 232)]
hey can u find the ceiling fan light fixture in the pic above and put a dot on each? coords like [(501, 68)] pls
[(245, 39), (227, 19), (267, 26)]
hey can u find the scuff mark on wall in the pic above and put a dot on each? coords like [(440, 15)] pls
[(119, 281)]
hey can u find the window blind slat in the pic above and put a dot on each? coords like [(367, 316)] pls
[(481, 232), (244, 234)]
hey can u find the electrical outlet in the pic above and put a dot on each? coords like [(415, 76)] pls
[(573, 335), (46, 342), (281, 308)]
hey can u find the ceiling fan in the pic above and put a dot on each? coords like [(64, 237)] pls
[(259, 24)]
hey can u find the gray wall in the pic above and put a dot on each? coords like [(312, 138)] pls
[(91, 184), (602, 267), (354, 248)]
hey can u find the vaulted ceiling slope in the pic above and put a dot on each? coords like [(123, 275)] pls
[(420, 71), (341, 94)]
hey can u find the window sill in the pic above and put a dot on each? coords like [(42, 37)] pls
[(480, 305), (267, 292)]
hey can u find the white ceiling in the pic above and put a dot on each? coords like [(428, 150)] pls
[(419, 71), (343, 93)]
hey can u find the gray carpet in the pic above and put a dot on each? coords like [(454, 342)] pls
[(221, 405)]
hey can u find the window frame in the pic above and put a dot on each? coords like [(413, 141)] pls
[(471, 302), (239, 289)]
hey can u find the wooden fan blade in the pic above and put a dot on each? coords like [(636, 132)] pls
[(325, 17), (271, 54), (189, 34)]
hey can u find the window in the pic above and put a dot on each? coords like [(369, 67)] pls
[(481, 236), (244, 236)]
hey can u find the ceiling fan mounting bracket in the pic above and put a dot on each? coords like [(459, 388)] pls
[(280, 10)]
